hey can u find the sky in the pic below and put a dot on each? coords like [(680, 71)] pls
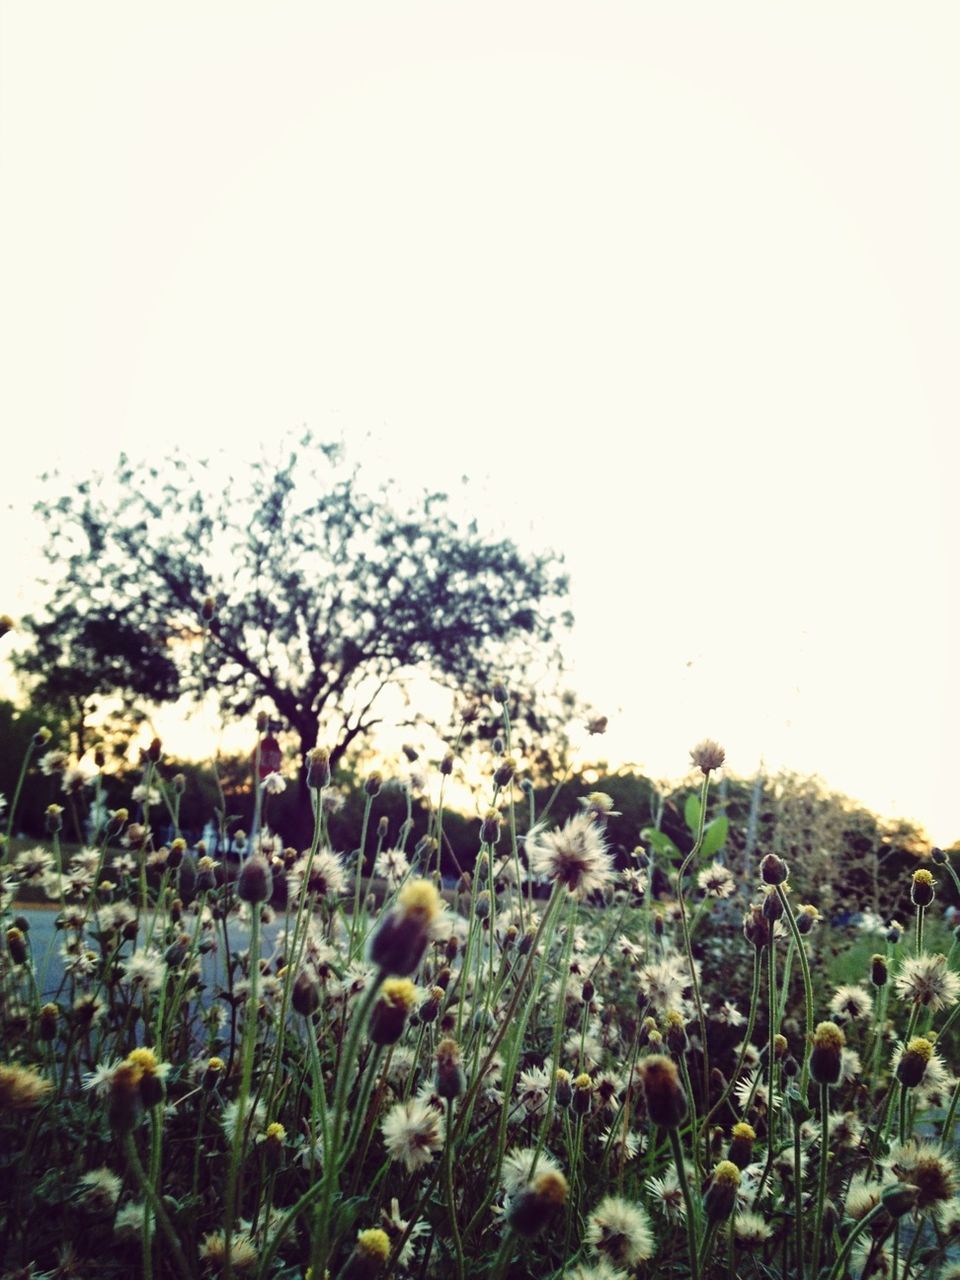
[(676, 286)]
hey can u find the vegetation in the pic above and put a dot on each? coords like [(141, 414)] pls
[(287, 1068)]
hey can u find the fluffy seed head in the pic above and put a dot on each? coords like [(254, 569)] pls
[(20, 1088), (666, 1101), (707, 755), (575, 856), (620, 1230)]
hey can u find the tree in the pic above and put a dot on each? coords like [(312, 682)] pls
[(287, 584)]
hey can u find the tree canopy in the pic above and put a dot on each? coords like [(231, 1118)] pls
[(284, 583)]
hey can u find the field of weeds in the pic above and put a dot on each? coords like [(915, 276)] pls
[(272, 1071)]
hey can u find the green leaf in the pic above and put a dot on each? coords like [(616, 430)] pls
[(691, 812), (661, 843), (715, 835)]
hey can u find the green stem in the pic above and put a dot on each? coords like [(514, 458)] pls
[(867, 1220), (822, 1181), (156, 1204), (807, 988), (691, 1218), (250, 1017)]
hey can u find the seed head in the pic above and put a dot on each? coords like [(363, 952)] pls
[(707, 755), (20, 1088)]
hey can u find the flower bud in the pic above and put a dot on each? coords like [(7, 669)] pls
[(490, 827), (807, 917), (533, 1208), (446, 765), (913, 1062), (400, 938), (305, 996), (450, 1080), (99, 755), (208, 609), (213, 1072), (154, 751), (675, 1034), (318, 768), (504, 772), (879, 970), (707, 755), (499, 692), (756, 927), (582, 1094), (255, 882), (42, 737), (666, 1101), (772, 908), (54, 818), (721, 1193), (390, 1013), (774, 870), (125, 1104), (923, 889), (17, 945), (369, 1256), (742, 1138), (47, 1024), (564, 1088), (373, 783), (827, 1054), (482, 905), (939, 857)]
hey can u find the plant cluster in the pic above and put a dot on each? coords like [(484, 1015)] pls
[(273, 1071)]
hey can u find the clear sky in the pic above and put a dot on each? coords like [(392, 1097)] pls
[(677, 286)]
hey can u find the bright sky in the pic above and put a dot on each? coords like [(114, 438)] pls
[(677, 286)]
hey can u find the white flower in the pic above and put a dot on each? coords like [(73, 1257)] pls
[(145, 969), (391, 865), (274, 785), (716, 881), (575, 856), (927, 980), (850, 1002), (620, 1229), (412, 1132)]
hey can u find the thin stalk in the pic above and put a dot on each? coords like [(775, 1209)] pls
[(822, 1180), (807, 988), (691, 1218)]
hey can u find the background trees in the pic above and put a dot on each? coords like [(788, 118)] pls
[(284, 583)]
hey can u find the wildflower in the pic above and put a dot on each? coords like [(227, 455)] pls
[(666, 1101), (599, 1270), (721, 1193), (850, 1002), (369, 1255), (575, 856), (255, 883), (318, 768), (398, 996), (742, 1138), (716, 881), (663, 983), (923, 888), (324, 873), (751, 1229), (622, 1142), (20, 1088), (911, 1061), (928, 981), (396, 1227), (530, 1209), (145, 970), (400, 938), (253, 1120), (391, 865), (99, 1190), (863, 1194), (450, 1081), (667, 1194), (807, 917), (924, 1166), (879, 970), (33, 865), (128, 1224), (53, 762), (620, 1230), (773, 870), (412, 1132), (707, 755), (244, 1255), (826, 1056), (126, 1103)]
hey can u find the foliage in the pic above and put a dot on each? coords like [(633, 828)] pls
[(284, 585)]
